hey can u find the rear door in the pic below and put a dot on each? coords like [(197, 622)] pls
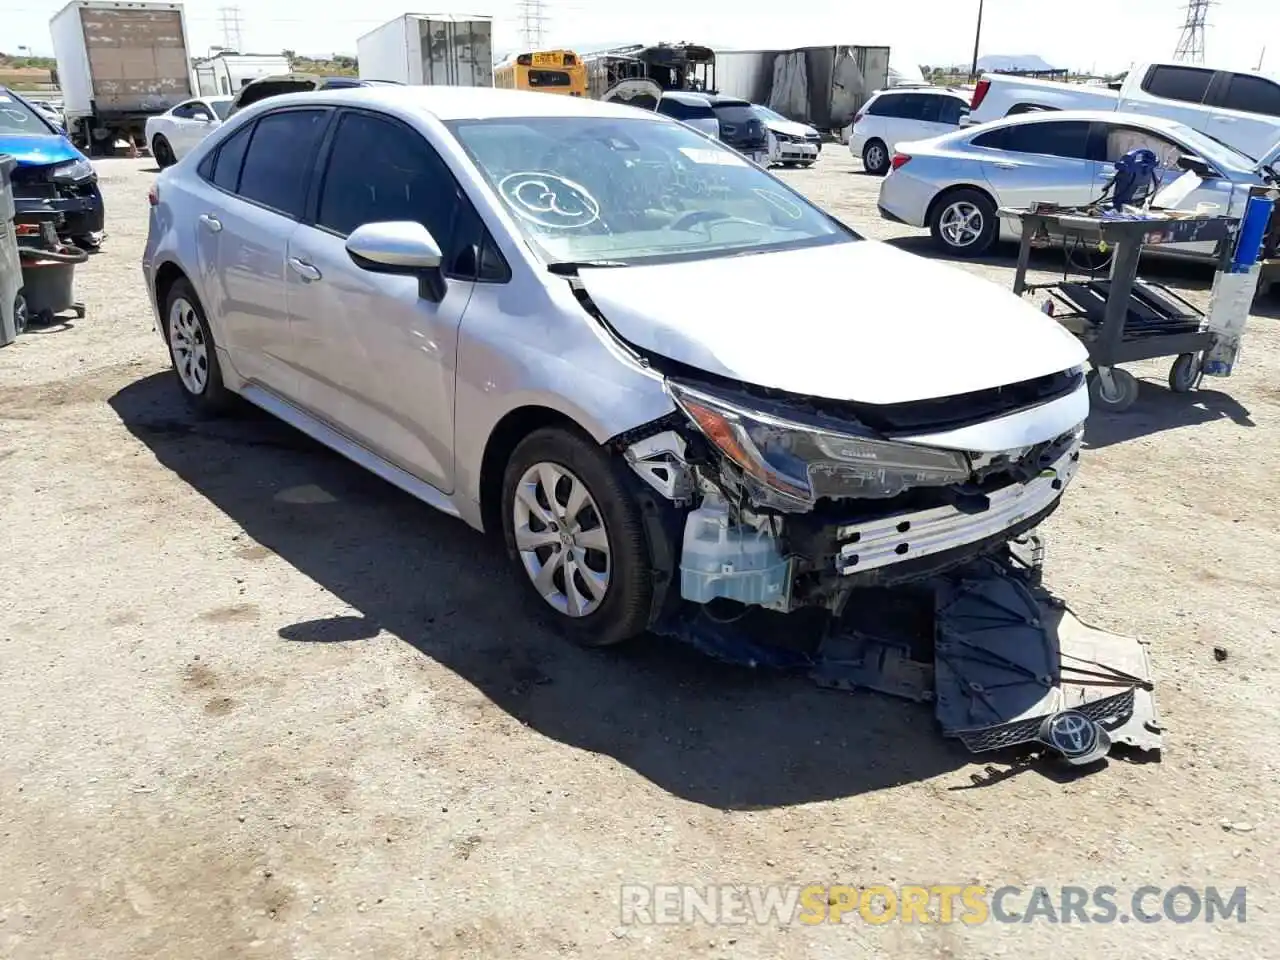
[(901, 118), (1176, 91), (1043, 160), (259, 182), (1245, 112)]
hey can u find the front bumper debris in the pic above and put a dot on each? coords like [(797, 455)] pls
[(893, 539), (1006, 664)]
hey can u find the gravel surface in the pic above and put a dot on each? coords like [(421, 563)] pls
[(256, 702)]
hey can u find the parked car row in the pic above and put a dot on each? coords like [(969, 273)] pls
[(953, 184), (582, 353)]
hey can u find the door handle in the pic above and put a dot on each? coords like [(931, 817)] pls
[(212, 222), (1004, 165), (1223, 119), (303, 269)]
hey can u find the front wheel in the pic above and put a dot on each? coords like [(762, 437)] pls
[(574, 533), (964, 223)]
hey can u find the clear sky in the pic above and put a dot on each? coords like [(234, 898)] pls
[(1082, 34)]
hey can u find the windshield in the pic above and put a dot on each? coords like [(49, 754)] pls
[(1212, 149), (17, 117), (221, 108), (769, 114), (593, 189)]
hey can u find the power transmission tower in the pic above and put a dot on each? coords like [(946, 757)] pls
[(531, 23), (231, 38), (1191, 43)]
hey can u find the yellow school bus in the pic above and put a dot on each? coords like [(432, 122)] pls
[(547, 71)]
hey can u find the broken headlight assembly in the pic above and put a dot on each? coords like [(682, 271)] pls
[(73, 171), (803, 463)]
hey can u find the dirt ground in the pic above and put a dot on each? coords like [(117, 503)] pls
[(255, 702)]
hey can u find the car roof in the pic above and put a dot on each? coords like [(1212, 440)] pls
[(1091, 116), (463, 103), (717, 100), (687, 97), (938, 91)]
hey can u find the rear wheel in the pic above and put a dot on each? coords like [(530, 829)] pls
[(574, 533), (964, 223), (875, 158), (192, 350), (162, 152)]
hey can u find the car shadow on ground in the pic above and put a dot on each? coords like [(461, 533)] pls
[(1158, 409), (722, 736)]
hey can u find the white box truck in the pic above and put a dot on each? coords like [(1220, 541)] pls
[(119, 63), (226, 73), (438, 49)]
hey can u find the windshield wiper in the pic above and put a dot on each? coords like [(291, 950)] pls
[(569, 268)]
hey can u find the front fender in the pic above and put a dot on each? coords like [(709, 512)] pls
[(526, 345)]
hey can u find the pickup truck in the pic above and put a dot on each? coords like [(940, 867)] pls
[(1240, 109)]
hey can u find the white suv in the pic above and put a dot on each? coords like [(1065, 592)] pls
[(900, 115)]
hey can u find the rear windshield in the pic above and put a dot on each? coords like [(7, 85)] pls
[(548, 78), (735, 113)]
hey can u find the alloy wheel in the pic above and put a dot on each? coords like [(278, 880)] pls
[(561, 538), (190, 349), (961, 224)]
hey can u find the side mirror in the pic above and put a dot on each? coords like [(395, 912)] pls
[(1196, 165), (401, 247)]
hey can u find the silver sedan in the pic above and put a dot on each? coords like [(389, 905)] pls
[(953, 184), (604, 335)]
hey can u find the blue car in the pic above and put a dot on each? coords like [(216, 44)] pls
[(53, 178)]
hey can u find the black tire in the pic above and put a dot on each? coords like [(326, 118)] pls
[(1126, 391), (1186, 372), (953, 203), (21, 316), (876, 157), (162, 153), (213, 398), (624, 611)]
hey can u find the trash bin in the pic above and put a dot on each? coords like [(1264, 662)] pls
[(13, 311)]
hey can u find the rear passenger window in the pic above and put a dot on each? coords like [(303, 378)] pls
[(1188, 84), (280, 157), (1253, 95), (1062, 138), (229, 159)]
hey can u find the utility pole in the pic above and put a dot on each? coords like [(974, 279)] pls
[(977, 39), (231, 38), (531, 22), (1190, 47)]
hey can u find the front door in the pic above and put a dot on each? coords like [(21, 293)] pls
[(376, 359)]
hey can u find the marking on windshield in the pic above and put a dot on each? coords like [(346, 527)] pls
[(785, 204), (714, 158), (549, 200)]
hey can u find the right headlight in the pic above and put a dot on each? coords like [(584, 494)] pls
[(805, 463)]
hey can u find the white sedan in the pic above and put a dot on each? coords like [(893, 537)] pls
[(171, 134)]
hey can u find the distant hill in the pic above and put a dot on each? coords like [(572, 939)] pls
[(1023, 61)]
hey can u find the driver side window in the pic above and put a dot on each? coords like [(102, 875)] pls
[(380, 170), (1120, 140)]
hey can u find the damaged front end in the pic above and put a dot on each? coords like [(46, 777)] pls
[(787, 506), (775, 505)]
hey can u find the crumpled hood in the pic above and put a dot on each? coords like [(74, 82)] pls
[(789, 127), (38, 150), (857, 321)]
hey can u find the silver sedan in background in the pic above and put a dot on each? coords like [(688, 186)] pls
[(953, 184)]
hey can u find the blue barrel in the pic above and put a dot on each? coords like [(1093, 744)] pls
[(1253, 230)]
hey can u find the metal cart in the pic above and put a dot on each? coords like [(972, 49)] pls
[(1122, 318)]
